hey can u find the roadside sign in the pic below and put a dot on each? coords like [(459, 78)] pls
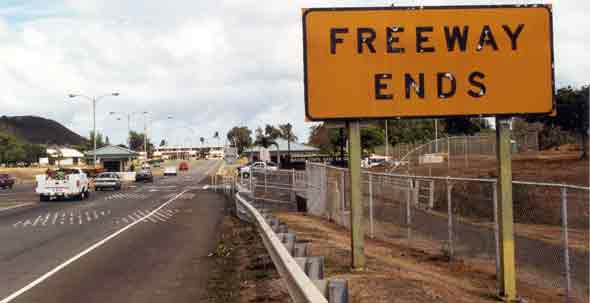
[(369, 63)]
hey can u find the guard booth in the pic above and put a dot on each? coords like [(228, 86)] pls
[(113, 158)]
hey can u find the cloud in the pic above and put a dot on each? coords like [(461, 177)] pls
[(209, 64)]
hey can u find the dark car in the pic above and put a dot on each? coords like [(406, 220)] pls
[(107, 180), (6, 181), (144, 175)]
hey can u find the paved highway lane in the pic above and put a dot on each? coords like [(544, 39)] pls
[(135, 245)]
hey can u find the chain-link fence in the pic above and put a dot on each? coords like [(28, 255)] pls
[(445, 154), (454, 219)]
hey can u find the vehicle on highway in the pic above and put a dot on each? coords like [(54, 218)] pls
[(62, 183), (6, 181), (246, 170), (107, 180), (170, 171), (144, 175), (183, 166)]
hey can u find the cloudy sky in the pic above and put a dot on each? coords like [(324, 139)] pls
[(209, 65)]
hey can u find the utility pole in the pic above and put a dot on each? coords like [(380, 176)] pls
[(93, 100)]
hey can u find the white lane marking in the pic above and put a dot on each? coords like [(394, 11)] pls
[(125, 220), (27, 222), (46, 219), (159, 216), (16, 206), (95, 215), (37, 220), (131, 218), (17, 223), (54, 218), (81, 254)]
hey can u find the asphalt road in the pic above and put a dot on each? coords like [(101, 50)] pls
[(148, 242)]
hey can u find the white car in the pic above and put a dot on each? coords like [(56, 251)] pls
[(170, 171), (246, 170)]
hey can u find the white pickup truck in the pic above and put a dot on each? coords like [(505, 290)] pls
[(63, 183)]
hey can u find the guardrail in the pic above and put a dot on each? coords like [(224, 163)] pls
[(303, 276)]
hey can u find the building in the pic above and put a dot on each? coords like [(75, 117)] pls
[(205, 151), (62, 157), (298, 151), (113, 158)]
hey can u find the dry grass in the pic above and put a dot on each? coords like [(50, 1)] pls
[(396, 273), (24, 174)]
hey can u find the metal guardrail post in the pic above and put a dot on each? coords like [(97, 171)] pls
[(566, 253), (450, 219), (371, 224)]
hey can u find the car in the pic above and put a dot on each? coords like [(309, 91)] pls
[(170, 171), (107, 180), (6, 181), (183, 166), (144, 175), (245, 171)]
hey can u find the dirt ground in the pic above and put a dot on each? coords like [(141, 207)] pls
[(396, 273), (243, 271), (553, 166)]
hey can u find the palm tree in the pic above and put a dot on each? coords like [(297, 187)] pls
[(287, 134), (266, 141)]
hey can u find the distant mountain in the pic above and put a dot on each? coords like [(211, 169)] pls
[(39, 130)]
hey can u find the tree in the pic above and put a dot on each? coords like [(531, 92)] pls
[(320, 137), (9, 147), (240, 137), (107, 141), (371, 137), (264, 139), (572, 114), (90, 143), (163, 142), (462, 126), (202, 140), (34, 151), (286, 132), (272, 132), (137, 140)]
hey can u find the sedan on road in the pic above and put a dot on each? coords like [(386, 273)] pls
[(107, 180), (170, 171), (6, 181), (144, 175)]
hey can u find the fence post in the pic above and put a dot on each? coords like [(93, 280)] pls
[(416, 191), (566, 253), (342, 197), (466, 145), (371, 226), (409, 195), (449, 153), (450, 218), (431, 195), (250, 176), (264, 180), (496, 235)]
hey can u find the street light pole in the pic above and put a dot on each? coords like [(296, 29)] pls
[(93, 100)]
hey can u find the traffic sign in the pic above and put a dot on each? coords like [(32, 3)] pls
[(368, 63)]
